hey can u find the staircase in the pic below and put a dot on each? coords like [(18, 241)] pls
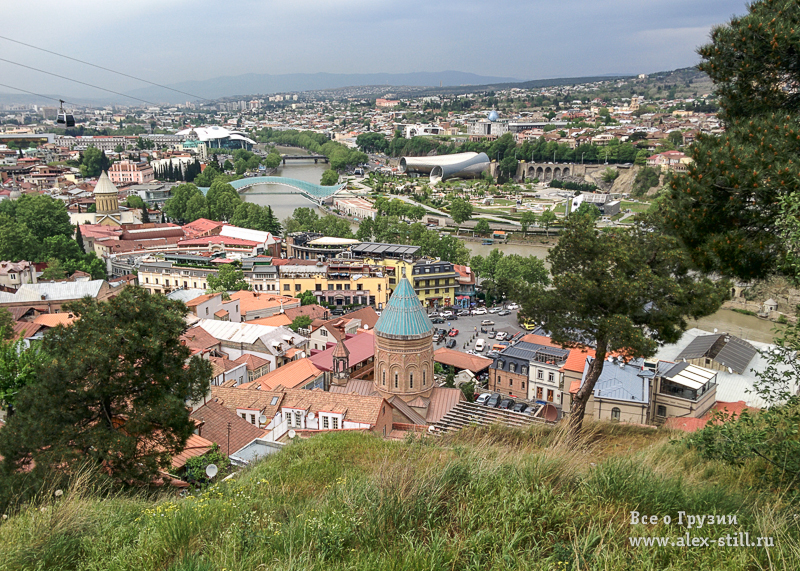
[(467, 413)]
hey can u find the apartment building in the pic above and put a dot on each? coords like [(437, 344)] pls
[(129, 172), (338, 283), (435, 282)]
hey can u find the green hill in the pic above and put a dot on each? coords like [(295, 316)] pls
[(483, 499)]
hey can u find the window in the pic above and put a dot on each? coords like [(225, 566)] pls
[(662, 410), (411, 380), (206, 311), (379, 287), (384, 378), (252, 419), (615, 413), (358, 287), (523, 384), (323, 332), (286, 287), (274, 401), (551, 377), (437, 290), (156, 280), (512, 367), (524, 370), (325, 423), (335, 423), (317, 287), (194, 285), (296, 287), (510, 381), (339, 287), (396, 383), (539, 393), (244, 416), (539, 374), (298, 418), (550, 395)]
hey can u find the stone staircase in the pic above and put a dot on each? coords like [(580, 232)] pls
[(467, 413)]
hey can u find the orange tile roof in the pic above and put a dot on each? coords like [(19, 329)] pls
[(274, 320), (221, 313), (294, 374), (216, 418), (199, 339), (54, 319), (253, 301), (577, 359), (252, 362), (25, 329), (460, 360), (201, 299), (195, 446), (538, 339), (233, 398), (355, 408), (693, 424)]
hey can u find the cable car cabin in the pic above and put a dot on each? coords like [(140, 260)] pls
[(63, 117)]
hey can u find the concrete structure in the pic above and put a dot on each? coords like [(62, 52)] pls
[(357, 207), (459, 165), (217, 137)]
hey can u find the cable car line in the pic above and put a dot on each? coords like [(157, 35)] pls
[(104, 68), (77, 81), (40, 95)]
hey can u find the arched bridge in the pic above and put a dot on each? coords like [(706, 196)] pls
[(312, 191)]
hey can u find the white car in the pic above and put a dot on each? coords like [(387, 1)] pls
[(482, 398), (479, 311), (480, 345), (512, 306)]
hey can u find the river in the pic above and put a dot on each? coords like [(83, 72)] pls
[(283, 205)]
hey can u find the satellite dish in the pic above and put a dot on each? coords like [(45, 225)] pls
[(211, 470), (310, 416), (292, 433), (730, 370), (366, 326), (715, 330), (431, 429), (262, 419)]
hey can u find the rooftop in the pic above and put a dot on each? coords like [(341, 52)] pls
[(403, 317)]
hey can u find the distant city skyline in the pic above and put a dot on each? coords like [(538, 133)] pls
[(174, 42)]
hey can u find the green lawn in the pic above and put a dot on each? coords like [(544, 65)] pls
[(635, 206)]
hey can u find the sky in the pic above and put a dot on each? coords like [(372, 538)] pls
[(168, 41)]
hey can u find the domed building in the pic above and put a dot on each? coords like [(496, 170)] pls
[(107, 210), (404, 347)]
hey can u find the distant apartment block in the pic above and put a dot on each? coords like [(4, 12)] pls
[(129, 172)]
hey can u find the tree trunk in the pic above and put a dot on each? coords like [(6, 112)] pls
[(578, 408)]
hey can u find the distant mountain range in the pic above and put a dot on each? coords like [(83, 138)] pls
[(263, 84)]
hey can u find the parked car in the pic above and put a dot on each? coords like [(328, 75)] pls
[(479, 311), (494, 400), (495, 309), (451, 343), (453, 332), (437, 320), (482, 398), (480, 345), (506, 404), (492, 354), (463, 313), (501, 335), (530, 409), (512, 306), (491, 334), (487, 323), (520, 406), (504, 312), (447, 314)]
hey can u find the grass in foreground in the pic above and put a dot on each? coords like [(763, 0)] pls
[(483, 499)]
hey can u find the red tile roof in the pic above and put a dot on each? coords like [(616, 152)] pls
[(195, 446), (216, 418), (292, 375), (361, 348), (693, 424)]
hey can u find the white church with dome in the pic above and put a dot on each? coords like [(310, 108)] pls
[(107, 210)]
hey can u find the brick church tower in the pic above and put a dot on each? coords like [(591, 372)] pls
[(404, 348)]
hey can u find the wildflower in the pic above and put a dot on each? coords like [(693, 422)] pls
[(59, 493)]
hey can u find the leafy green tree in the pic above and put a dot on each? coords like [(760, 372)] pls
[(329, 178), (228, 278), (365, 230), (93, 162), (44, 215), (302, 220), (227, 165), (206, 178), (300, 322), (6, 324), (197, 207), (196, 466), (676, 138), (646, 178), (460, 210), (240, 166), (547, 219), (727, 207), (17, 242), (307, 298), (19, 366), (113, 390), (610, 175), (527, 220), (272, 160), (79, 238), (482, 227), (641, 158), (587, 209), (330, 225), (249, 215), (60, 248), (176, 205), (53, 271), (222, 201), (627, 290)]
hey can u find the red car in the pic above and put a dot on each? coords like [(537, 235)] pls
[(453, 332)]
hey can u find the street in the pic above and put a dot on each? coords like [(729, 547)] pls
[(467, 327)]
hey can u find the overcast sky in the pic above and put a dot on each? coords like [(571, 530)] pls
[(167, 41)]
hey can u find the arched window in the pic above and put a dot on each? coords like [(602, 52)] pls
[(424, 381), (615, 412), (396, 384), (411, 380), (384, 377)]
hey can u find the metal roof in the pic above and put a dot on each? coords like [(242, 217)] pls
[(725, 349), (621, 382), (53, 291), (690, 376), (403, 316)]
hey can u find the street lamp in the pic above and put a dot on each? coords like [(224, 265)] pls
[(582, 157)]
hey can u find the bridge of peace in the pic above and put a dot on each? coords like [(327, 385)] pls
[(278, 185)]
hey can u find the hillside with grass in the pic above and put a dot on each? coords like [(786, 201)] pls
[(482, 499)]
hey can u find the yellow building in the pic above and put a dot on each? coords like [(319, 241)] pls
[(435, 281), (338, 283)]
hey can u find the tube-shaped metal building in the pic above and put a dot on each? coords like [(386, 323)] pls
[(442, 167)]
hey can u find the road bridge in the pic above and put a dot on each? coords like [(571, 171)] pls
[(316, 158)]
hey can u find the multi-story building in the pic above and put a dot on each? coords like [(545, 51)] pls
[(394, 258), (261, 274), (339, 282), (315, 246), (529, 370), (14, 274), (129, 172), (465, 292), (435, 282)]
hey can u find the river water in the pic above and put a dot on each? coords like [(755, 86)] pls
[(283, 205)]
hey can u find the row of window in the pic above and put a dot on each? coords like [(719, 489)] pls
[(433, 269), (410, 380), (318, 287), (177, 283), (296, 420)]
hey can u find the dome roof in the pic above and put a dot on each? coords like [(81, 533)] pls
[(403, 317), (104, 185), (493, 115)]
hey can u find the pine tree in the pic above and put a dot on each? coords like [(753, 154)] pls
[(79, 238)]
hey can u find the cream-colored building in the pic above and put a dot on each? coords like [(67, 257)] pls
[(14, 274), (338, 283)]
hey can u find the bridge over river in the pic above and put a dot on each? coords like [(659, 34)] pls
[(314, 192)]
